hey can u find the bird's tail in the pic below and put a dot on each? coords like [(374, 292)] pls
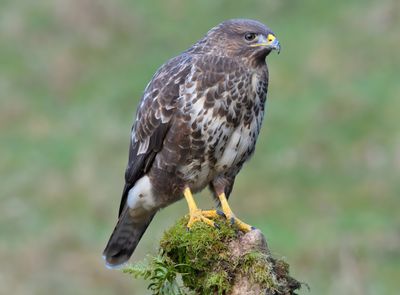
[(125, 237)]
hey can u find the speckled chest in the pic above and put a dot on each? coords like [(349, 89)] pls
[(224, 128)]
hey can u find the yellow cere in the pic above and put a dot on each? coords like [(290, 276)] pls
[(270, 38)]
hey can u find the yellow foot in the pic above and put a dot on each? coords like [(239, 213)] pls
[(197, 215), (231, 217), (212, 213), (240, 224)]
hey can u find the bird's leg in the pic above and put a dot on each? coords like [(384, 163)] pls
[(231, 216), (195, 214)]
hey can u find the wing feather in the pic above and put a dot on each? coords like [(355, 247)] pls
[(154, 115)]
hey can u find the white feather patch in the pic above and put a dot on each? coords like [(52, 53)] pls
[(231, 149), (143, 146), (254, 81), (140, 196), (197, 107)]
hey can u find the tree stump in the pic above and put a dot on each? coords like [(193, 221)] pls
[(207, 260), (255, 242)]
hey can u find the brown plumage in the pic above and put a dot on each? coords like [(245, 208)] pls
[(197, 123)]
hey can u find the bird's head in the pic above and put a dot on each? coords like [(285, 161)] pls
[(243, 38)]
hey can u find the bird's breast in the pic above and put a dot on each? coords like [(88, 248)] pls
[(218, 147), (224, 126)]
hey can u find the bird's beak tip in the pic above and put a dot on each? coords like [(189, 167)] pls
[(276, 45)]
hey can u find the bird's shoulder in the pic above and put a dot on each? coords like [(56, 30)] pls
[(160, 96)]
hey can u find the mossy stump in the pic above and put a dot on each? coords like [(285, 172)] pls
[(207, 260)]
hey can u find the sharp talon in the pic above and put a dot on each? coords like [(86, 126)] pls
[(216, 225), (220, 213), (232, 220)]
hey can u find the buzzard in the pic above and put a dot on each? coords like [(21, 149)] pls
[(197, 123)]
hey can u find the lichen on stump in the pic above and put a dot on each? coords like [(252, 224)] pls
[(207, 260)]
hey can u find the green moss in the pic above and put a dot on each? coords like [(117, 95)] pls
[(217, 282), (199, 251), (201, 260), (258, 267)]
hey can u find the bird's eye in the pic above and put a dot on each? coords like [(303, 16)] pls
[(250, 36)]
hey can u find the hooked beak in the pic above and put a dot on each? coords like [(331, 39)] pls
[(271, 42)]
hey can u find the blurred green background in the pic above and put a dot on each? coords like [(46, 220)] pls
[(323, 184)]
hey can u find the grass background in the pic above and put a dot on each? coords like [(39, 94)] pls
[(323, 184)]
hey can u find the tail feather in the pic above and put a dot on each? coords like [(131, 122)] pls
[(125, 237)]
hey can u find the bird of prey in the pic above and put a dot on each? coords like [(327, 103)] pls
[(196, 124)]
